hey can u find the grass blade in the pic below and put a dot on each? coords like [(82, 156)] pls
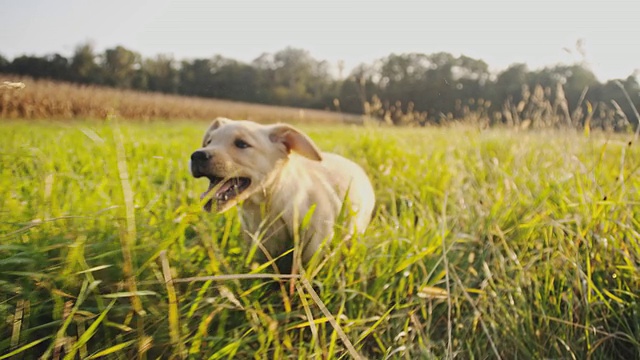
[(23, 348), (112, 349), (89, 332), (174, 317)]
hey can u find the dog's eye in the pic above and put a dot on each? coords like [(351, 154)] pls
[(241, 144)]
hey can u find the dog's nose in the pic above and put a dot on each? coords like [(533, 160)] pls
[(199, 156)]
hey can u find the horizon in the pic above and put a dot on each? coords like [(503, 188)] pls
[(496, 32)]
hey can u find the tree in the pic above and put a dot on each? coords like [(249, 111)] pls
[(235, 80), (53, 66), (162, 74), (403, 77), (121, 67), (29, 65), (577, 79), (509, 83), (59, 67), (611, 95), (196, 78), (4, 64), (437, 84), (357, 89), (293, 77), (84, 68), (471, 77)]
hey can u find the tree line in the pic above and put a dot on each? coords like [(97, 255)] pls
[(400, 88)]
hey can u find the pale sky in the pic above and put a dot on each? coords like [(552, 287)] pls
[(538, 33)]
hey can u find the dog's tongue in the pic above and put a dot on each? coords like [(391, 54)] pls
[(224, 192), (226, 186)]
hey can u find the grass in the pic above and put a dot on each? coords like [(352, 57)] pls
[(485, 244)]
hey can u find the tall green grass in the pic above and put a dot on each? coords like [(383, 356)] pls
[(484, 244)]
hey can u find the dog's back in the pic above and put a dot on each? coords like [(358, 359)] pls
[(324, 186), (352, 184)]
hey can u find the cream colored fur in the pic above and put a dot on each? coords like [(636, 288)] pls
[(289, 178)]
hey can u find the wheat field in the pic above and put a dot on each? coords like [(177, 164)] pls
[(45, 99), (484, 244)]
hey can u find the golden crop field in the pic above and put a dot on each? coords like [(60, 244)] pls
[(44, 99)]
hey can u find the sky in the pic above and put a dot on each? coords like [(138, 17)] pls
[(604, 34)]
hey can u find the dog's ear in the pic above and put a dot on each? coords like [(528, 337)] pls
[(217, 122), (294, 140)]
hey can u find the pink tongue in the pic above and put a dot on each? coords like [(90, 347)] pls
[(226, 186)]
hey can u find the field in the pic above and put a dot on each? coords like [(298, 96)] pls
[(485, 244), (45, 99)]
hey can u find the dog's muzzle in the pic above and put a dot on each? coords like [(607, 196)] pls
[(199, 163)]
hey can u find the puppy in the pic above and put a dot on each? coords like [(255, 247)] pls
[(284, 185)]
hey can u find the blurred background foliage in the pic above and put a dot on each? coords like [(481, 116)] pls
[(407, 89)]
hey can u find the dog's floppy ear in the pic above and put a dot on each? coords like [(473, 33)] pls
[(219, 121), (294, 140)]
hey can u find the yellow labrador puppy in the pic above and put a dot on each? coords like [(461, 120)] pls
[(279, 177)]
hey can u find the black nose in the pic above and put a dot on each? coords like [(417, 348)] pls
[(199, 156)]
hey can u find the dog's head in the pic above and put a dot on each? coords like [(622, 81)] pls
[(240, 158)]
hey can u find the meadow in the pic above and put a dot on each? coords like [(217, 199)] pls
[(485, 244)]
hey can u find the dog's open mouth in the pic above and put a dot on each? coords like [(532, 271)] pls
[(225, 190)]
